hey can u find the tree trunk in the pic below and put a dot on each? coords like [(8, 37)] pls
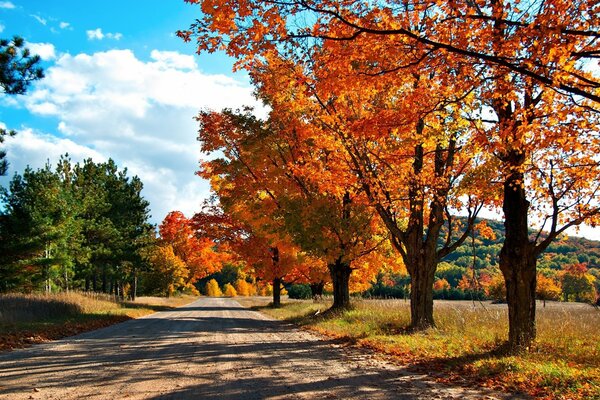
[(316, 289), (421, 296), (276, 292), (340, 276), (104, 281), (134, 285), (518, 265)]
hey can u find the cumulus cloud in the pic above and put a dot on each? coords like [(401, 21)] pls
[(6, 4), (97, 34), (36, 149), (46, 51), (64, 25), (139, 113)]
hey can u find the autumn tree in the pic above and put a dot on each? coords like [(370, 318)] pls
[(168, 274), (200, 254), (407, 151), (547, 289), (243, 228), (212, 289), (528, 62), (578, 284), (324, 218)]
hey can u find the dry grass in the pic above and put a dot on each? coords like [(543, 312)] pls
[(466, 343), (35, 318)]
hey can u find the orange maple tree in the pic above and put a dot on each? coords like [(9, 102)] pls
[(534, 112), (199, 254), (288, 188)]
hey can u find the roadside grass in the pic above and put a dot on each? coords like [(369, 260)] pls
[(466, 344), (26, 319)]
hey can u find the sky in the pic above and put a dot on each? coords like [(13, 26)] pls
[(119, 84)]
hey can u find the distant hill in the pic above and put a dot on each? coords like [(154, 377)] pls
[(562, 252)]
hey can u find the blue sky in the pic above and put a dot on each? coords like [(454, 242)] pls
[(119, 84)]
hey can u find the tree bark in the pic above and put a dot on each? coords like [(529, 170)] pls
[(340, 276), (421, 296), (134, 284), (518, 265), (276, 292), (316, 289)]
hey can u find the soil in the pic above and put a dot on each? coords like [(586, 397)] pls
[(212, 348)]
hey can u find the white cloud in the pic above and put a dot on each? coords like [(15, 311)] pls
[(40, 19), (2, 27), (116, 36), (97, 34), (64, 25), (35, 149), (140, 114), (6, 4), (45, 50), (173, 59)]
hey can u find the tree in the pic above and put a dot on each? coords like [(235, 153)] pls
[(578, 284), (212, 289), (229, 290), (37, 230), (547, 289), (244, 288), (441, 284), (527, 62), (200, 254), (407, 152), (460, 29), (18, 68), (263, 181), (169, 273), (70, 227)]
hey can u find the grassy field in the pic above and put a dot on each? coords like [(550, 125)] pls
[(37, 318), (465, 346)]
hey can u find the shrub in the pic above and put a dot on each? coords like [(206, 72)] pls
[(230, 290), (212, 289), (299, 291)]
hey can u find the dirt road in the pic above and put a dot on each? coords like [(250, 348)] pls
[(210, 349)]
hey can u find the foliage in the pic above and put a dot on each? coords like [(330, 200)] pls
[(299, 291), (18, 69), (547, 288), (212, 289), (81, 226), (428, 107), (244, 288), (229, 290), (578, 284), (168, 273)]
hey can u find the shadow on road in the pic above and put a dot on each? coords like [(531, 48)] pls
[(202, 352)]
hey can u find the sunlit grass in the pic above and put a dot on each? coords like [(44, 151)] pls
[(466, 342)]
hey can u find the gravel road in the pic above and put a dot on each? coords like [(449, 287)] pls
[(210, 349)]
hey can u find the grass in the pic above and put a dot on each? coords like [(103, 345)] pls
[(466, 343), (37, 318)]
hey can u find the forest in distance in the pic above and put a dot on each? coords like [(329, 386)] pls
[(85, 226)]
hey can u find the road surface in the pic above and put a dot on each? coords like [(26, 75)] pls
[(210, 349)]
